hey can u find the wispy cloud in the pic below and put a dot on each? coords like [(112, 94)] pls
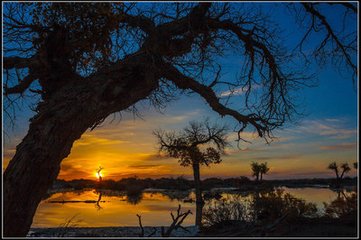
[(237, 91), (332, 128), (341, 146), (144, 166)]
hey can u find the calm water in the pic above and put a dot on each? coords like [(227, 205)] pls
[(116, 209)]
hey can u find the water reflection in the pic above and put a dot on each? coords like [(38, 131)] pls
[(134, 197), (97, 204), (120, 208)]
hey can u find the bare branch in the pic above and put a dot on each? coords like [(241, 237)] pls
[(21, 86), (185, 82), (18, 62)]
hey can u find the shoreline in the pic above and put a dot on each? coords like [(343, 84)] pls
[(130, 231)]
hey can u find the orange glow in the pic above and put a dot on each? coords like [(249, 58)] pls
[(99, 175), (129, 149)]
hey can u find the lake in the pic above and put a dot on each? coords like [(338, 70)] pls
[(90, 208)]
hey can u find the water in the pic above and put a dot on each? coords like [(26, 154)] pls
[(117, 209)]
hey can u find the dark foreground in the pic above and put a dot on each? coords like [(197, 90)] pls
[(345, 226)]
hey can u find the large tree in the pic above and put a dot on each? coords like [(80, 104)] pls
[(85, 61), (200, 143)]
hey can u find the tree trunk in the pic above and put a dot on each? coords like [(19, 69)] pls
[(198, 191), (63, 118), (261, 176)]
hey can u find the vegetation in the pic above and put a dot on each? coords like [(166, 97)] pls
[(183, 184), (264, 211), (259, 169), (200, 143), (166, 232), (343, 205), (344, 168), (275, 213)]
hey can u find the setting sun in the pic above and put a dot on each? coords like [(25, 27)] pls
[(99, 175)]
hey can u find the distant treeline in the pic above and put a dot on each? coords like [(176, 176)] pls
[(180, 183)]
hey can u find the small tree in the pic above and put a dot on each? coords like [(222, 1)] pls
[(99, 175), (263, 169), (333, 166), (256, 170), (200, 143), (355, 165), (345, 169)]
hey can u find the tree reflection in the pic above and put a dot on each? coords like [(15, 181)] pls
[(261, 208), (97, 204), (134, 197)]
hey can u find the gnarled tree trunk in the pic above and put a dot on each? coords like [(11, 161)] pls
[(61, 119)]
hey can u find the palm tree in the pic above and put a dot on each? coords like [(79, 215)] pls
[(333, 166), (345, 169), (256, 169), (263, 169)]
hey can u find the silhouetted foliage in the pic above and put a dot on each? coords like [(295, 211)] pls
[(269, 205), (187, 146), (264, 207), (337, 169), (259, 169), (263, 169), (225, 210), (343, 205)]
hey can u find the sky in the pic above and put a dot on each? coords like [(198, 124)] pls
[(125, 146)]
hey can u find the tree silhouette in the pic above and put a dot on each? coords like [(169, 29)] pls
[(256, 169), (333, 166), (99, 174), (259, 169), (344, 167), (200, 143), (355, 165), (85, 61), (263, 169)]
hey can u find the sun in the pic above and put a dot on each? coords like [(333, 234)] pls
[(99, 175)]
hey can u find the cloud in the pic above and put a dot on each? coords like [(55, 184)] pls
[(331, 128), (284, 157), (69, 171), (237, 91), (144, 166), (341, 146), (90, 139), (154, 157)]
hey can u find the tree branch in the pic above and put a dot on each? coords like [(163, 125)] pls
[(18, 62), (330, 32), (21, 87), (185, 82)]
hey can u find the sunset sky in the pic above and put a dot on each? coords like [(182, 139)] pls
[(125, 146)]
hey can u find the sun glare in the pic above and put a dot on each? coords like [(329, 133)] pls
[(98, 175)]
